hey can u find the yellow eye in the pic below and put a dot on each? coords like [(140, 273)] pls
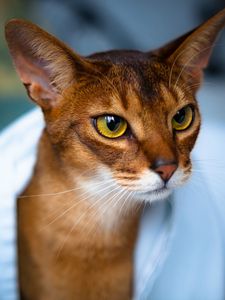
[(183, 118), (111, 126)]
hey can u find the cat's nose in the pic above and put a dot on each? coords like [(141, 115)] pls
[(164, 168)]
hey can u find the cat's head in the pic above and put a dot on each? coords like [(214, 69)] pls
[(128, 119)]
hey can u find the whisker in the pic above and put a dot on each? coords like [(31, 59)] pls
[(61, 192), (173, 65), (124, 202), (120, 197), (102, 209), (185, 65), (110, 200), (189, 87), (211, 171), (49, 194), (193, 56), (74, 205), (84, 193), (77, 222), (214, 179), (138, 205)]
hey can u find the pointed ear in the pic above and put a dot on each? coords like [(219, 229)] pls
[(45, 65), (168, 49), (191, 52)]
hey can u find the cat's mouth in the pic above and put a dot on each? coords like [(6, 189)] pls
[(157, 191), (152, 195)]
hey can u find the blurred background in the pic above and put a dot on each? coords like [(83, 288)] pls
[(96, 25)]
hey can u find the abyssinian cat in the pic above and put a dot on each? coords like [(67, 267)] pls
[(120, 126)]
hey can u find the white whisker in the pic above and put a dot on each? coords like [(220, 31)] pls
[(78, 221), (75, 204)]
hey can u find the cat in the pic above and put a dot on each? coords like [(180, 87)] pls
[(119, 129)]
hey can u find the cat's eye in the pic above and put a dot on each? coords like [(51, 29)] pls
[(183, 118), (111, 126)]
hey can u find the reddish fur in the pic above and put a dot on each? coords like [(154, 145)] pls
[(142, 88)]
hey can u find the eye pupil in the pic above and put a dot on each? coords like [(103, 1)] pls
[(113, 122), (180, 116)]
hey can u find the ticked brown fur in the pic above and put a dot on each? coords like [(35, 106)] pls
[(73, 243)]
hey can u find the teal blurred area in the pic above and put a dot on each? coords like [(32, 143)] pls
[(12, 107), (13, 99)]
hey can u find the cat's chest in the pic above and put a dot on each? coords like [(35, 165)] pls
[(76, 228)]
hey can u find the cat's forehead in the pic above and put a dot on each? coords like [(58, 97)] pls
[(140, 71), (140, 75)]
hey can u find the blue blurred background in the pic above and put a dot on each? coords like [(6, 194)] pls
[(196, 258), (95, 25)]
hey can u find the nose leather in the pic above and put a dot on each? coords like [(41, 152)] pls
[(165, 169)]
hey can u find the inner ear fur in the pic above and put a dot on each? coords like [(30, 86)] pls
[(45, 65)]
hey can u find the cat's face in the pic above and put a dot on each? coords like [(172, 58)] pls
[(126, 120), (122, 122)]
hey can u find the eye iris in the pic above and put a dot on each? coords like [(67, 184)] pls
[(183, 118), (111, 126)]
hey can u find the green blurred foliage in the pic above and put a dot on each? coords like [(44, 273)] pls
[(9, 82), (13, 100)]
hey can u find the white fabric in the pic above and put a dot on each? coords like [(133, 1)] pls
[(17, 156)]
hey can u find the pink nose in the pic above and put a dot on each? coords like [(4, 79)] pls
[(165, 170)]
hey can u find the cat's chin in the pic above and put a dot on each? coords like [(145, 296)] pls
[(155, 195)]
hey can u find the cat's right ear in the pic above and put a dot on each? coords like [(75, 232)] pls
[(191, 52), (45, 65)]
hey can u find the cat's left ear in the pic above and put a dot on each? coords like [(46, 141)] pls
[(46, 66), (192, 51)]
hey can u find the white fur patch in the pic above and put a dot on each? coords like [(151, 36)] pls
[(106, 196), (150, 187), (111, 199)]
